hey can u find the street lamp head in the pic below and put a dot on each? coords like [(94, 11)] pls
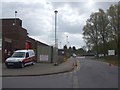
[(15, 11), (56, 11)]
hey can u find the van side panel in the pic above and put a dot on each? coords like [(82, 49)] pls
[(29, 59)]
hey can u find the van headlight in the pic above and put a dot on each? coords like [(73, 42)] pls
[(19, 60)]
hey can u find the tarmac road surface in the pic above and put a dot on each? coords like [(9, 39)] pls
[(97, 74), (88, 74)]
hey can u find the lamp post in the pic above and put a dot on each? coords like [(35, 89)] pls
[(67, 41), (56, 28), (56, 45), (15, 16), (60, 45)]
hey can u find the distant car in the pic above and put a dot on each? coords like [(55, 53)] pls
[(21, 58), (74, 55)]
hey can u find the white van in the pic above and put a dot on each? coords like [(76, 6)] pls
[(21, 58)]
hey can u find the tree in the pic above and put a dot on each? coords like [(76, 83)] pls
[(118, 46), (114, 17), (81, 51), (102, 30), (74, 49), (65, 48), (90, 31), (70, 51), (70, 48)]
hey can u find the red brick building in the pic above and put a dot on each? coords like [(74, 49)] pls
[(13, 36)]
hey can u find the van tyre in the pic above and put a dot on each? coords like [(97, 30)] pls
[(33, 63), (7, 66), (22, 65)]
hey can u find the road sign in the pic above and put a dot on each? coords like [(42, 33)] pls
[(111, 52)]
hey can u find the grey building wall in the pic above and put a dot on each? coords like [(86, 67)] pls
[(44, 53), (55, 55), (0, 41), (47, 54)]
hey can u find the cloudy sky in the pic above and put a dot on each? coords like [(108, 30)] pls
[(38, 18)]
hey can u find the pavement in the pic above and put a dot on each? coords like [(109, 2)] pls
[(39, 69)]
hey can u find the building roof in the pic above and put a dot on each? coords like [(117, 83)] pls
[(24, 50), (8, 22), (11, 21), (38, 42)]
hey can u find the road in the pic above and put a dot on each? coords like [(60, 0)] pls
[(96, 74), (88, 74)]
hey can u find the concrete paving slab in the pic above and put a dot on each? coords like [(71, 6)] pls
[(39, 69)]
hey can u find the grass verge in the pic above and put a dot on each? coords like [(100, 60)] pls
[(111, 59)]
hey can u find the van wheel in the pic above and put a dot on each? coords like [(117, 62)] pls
[(33, 63), (22, 65), (7, 66)]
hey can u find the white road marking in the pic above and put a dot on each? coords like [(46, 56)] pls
[(75, 77), (75, 81), (81, 57)]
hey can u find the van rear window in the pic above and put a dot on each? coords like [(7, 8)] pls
[(19, 54)]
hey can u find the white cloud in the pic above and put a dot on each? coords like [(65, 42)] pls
[(72, 40), (26, 1), (38, 18), (69, 14), (38, 1)]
